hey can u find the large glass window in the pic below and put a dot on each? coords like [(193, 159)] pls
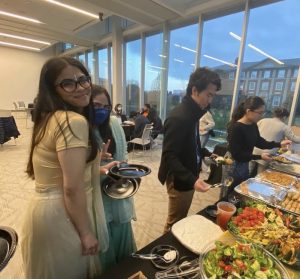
[(181, 63), (267, 74), (278, 85), (81, 58), (110, 65), (90, 64), (103, 67), (217, 33), (296, 120), (153, 70), (133, 75), (265, 85), (263, 50)]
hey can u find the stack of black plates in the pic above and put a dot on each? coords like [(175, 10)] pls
[(8, 244), (124, 180), (125, 170)]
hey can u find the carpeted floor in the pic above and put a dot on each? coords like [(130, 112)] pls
[(16, 190)]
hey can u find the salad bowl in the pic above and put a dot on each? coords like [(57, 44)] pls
[(239, 260)]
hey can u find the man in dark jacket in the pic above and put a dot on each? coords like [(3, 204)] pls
[(181, 153)]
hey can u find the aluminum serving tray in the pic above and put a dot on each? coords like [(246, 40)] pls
[(264, 192), (292, 169)]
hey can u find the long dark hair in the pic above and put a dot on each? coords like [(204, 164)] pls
[(251, 103), (104, 128), (48, 102)]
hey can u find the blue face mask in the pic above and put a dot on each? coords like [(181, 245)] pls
[(101, 114)]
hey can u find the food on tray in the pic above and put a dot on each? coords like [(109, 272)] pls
[(292, 202), (298, 185), (223, 160), (277, 178), (292, 222), (249, 217), (271, 232), (284, 151), (281, 159), (239, 260)]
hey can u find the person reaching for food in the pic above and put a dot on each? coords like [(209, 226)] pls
[(244, 135), (274, 129)]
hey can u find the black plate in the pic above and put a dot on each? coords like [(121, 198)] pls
[(8, 243), (125, 170), (121, 189), (211, 210), (161, 250)]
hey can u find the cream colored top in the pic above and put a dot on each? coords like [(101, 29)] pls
[(58, 136)]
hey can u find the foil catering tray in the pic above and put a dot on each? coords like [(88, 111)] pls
[(260, 190), (292, 169), (267, 193)]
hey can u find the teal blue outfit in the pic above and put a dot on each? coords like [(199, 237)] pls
[(118, 213)]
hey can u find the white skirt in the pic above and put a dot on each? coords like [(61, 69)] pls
[(51, 247)]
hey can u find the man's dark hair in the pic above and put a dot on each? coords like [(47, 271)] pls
[(148, 106), (201, 78)]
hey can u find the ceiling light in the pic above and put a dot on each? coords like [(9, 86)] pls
[(20, 17), (189, 49), (20, 46), (256, 49), (24, 38), (265, 54), (162, 56), (193, 65), (235, 36), (185, 48), (73, 8), (219, 60), (152, 71), (156, 67), (178, 60)]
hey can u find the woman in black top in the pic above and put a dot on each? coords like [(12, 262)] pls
[(243, 136)]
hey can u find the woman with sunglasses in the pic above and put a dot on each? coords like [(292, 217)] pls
[(243, 136), (65, 225), (119, 213)]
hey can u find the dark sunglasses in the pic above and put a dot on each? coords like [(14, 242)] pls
[(70, 85)]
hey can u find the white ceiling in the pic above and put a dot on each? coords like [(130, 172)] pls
[(62, 25)]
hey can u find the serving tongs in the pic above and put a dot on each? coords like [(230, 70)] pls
[(227, 183), (217, 185)]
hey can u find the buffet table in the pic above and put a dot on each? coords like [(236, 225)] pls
[(131, 265)]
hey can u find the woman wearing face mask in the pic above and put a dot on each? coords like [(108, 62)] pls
[(243, 136), (274, 129), (64, 227), (119, 213)]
